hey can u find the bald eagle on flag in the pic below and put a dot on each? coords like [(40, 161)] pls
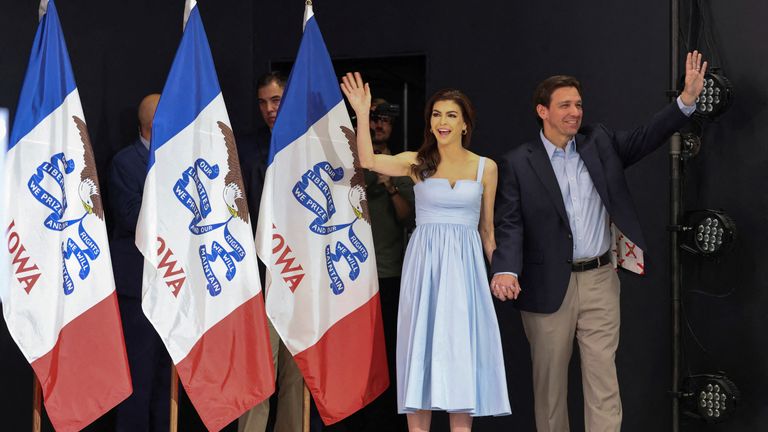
[(357, 197), (89, 180), (233, 181)]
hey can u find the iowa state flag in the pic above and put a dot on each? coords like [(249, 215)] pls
[(314, 235), (201, 284), (60, 303)]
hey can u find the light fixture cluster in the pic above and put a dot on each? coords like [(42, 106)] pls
[(716, 96), (711, 397), (713, 401), (710, 233)]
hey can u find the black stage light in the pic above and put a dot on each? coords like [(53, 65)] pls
[(710, 397), (708, 232), (691, 144), (715, 97)]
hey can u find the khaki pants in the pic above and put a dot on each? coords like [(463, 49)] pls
[(590, 312), (290, 396)]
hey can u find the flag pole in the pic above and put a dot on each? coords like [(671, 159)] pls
[(305, 413), (305, 410), (37, 391), (305, 417), (174, 426), (37, 404)]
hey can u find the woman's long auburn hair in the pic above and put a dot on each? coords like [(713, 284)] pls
[(428, 157)]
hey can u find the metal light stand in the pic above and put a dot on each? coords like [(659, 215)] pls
[(675, 211)]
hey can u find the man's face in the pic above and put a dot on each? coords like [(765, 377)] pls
[(562, 118), (381, 127), (269, 101)]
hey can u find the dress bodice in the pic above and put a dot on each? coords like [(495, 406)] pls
[(438, 202)]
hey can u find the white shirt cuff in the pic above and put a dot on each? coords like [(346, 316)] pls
[(686, 109)]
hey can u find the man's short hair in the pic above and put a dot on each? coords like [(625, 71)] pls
[(378, 101), (543, 93), (270, 77)]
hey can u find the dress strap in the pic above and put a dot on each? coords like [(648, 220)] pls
[(480, 167)]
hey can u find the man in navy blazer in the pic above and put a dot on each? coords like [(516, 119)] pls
[(556, 199), (148, 408)]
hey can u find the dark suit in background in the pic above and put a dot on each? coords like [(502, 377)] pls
[(252, 151), (148, 408)]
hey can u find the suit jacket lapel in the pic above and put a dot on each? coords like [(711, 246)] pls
[(543, 169), (588, 152)]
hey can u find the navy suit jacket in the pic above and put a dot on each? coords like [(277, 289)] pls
[(533, 235), (253, 150), (126, 188)]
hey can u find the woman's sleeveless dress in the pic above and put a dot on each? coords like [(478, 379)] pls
[(449, 353)]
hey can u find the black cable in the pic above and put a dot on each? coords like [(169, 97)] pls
[(712, 295), (692, 38), (708, 31), (693, 333)]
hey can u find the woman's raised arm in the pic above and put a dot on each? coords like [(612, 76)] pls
[(359, 97)]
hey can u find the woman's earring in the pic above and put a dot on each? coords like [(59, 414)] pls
[(464, 132)]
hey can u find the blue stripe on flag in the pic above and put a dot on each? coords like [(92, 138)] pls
[(191, 85), (49, 77), (312, 90)]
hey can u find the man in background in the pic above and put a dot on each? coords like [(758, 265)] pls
[(253, 151), (148, 408)]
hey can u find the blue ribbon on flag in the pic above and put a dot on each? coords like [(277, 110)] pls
[(91, 251), (58, 166), (186, 199), (324, 214), (352, 258), (53, 222), (237, 254)]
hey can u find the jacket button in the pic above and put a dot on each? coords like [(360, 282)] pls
[(570, 236)]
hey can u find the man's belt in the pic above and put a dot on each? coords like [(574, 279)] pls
[(592, 263)]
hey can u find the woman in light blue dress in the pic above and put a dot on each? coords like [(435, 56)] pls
[(449, 353)]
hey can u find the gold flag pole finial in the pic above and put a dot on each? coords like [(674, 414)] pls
[(308, 2)]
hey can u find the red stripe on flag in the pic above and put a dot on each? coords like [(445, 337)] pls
[(347, 368), (86, 373), (229, 370)]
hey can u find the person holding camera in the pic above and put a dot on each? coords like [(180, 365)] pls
[(391, 204)]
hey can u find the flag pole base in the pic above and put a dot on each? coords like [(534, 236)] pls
[(174, 426), (305, 410), (37, 404)]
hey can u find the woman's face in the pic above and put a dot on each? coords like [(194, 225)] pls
[(447, 122)]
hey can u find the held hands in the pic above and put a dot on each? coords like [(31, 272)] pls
[(357, 93), (694, 78), (505, 287)]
